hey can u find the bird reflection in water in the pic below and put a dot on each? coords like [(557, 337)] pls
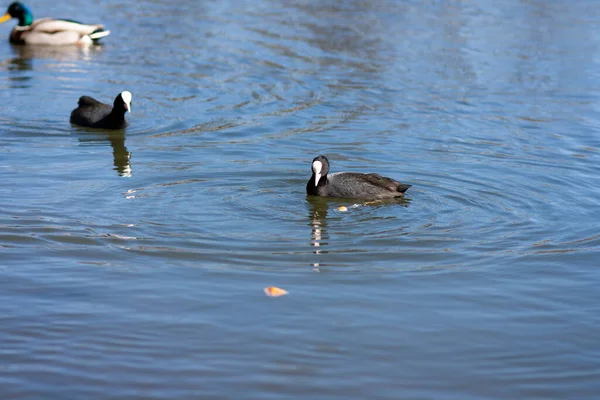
[(18, 73), (121, 156), (318, 207), (318, 224), (55, 58), (56, 53)]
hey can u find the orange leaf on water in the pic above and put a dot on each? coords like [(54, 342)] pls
[(273, 291)]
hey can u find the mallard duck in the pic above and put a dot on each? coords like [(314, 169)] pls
[(351, 185), (49, 31), (94, 114)]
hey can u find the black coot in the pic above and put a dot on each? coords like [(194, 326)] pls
[(95, 114), (351, 184)]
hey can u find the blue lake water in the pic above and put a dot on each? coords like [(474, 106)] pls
[(132, 264)]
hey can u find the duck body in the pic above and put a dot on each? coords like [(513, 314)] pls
[(49, 31), (95, 114), (351, 185)]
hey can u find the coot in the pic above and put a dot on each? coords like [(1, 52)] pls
[(351, 184), (95, 114)]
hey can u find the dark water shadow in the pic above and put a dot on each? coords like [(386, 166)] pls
[(121, 156)]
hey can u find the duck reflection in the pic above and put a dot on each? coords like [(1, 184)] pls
[(61, 54), (21, 64), (19, 72), (121, 156), (57, 53)]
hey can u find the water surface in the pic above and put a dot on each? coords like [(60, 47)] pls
[(133, 262)]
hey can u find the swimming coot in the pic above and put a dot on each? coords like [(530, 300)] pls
[(351, 184), (95, 114)]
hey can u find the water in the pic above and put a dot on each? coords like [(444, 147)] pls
[(132, 264)]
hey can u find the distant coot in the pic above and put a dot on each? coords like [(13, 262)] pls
[(351, 184), (95, 114)]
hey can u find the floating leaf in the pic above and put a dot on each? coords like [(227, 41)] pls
[(273, 291)]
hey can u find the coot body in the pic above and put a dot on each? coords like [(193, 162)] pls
[(351, 185), (95, 114)]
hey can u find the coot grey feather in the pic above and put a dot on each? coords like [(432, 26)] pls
[(90, 112), (351, 184)]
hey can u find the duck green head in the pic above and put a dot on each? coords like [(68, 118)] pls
[(19, 11)]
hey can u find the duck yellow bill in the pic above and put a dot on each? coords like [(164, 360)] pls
[(5, 18)]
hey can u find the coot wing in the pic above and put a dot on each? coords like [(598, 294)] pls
[(389, 183), (363, 186), (88, 101), (90, 111)]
